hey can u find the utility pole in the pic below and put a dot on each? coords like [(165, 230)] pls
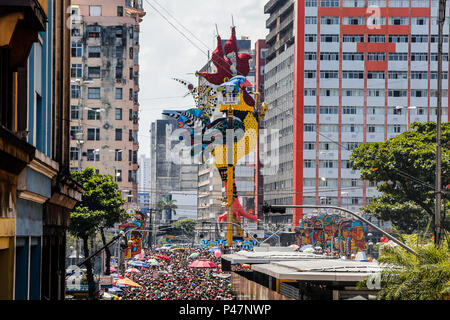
[(437, 218)]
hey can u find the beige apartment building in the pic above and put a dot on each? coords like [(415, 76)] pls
[(104, 89)]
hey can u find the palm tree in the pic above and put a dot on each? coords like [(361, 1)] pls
[(425, 276), (168, 205)]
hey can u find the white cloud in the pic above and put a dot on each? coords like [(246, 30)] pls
[(165, 53)]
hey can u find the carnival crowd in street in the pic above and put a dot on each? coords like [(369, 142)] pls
[(174, 280)]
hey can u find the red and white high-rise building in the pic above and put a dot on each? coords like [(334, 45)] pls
[(342, 73)]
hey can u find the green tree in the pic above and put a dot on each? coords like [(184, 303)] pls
[(167, 205), (425, 276), (187, 226), (100, 208), (403, 168)]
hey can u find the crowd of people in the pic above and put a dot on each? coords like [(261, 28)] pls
[(174, 280)]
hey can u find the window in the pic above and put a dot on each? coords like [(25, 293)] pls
[(329, 110), (419, 56), (354, 21), (329, 3), (353, 38), (130, 53), (354, 3), (130, 135), (309, 110), (329, 74), (353, 75), (74, 130), (93, 93), (375, 75), (397, 93), (310, 38), (95, 11), (396, 128), (118, 155), (420, 21), (118, 134), (350, 56), (131, 74), (74, 153), (94, 72), (93, 134), (130, 94), (329, 38), (119, 31), (398, 21), (118, 72), (118, 114), (94, 114), (398, 38), (419, 75), (310, 92), (75, 91), (310, 74), (398, 75), (309, 164), (309, 127), (75, 112), (311, 3), (376, 38), (117, 175), (348, 110), (92, 154), (120, 11), (118, 94), (264, 53), (310, 20), (309, 146), (398, 56), (371, 129), (329, 20), (76, 71), (329, 56), (94, 31), (419, 39), (77, 48), (310, 56), (119, 52), (94, 52), (376, 56)]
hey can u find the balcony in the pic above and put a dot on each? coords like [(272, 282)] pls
[(20, 22)]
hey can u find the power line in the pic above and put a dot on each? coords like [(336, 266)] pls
[(181, 32)]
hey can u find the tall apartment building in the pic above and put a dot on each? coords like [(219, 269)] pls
[(104, 90), (143, 174), (342, 73), (167, 175)]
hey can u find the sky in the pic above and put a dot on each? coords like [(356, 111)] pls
[(165, 53)]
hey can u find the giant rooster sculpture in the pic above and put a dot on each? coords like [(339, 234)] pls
[(226, 88)]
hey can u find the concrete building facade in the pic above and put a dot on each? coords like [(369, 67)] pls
[(104, 90), (339, 75)]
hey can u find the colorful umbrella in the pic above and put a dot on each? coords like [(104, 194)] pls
[(153, 262), (162, 256), (127, 282), (112, 269), (132, 270), (202, 264), (139, 264), (195, 254)]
